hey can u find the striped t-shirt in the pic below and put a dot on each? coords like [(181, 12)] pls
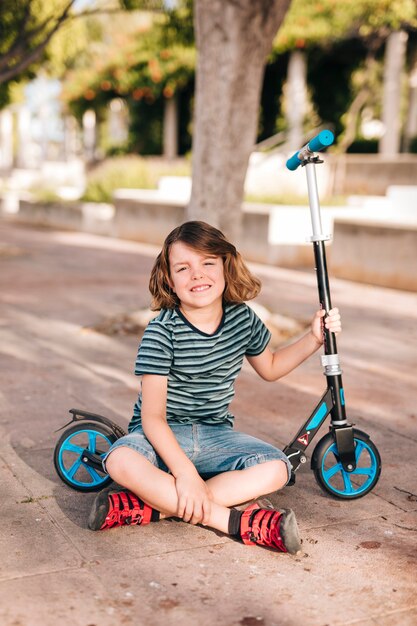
[(201, 368)]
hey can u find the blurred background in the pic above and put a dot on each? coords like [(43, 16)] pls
[(97, 119)]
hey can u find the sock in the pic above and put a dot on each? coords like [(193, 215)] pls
[(234, 522)]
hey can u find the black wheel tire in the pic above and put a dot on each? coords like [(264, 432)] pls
[(331, 476), (69, 450)]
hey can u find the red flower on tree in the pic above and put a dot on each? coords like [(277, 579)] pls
[(89, 94)]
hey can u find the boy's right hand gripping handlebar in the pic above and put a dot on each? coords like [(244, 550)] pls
[(324, 139)]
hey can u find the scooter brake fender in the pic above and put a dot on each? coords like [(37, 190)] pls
[(79, 416)]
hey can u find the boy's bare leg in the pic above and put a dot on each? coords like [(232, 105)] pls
[(235, 487), (157, 488), (154, 486)]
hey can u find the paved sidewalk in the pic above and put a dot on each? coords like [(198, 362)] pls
[(358, 564)]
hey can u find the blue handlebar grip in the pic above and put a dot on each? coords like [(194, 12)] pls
[(324, 139), (293, 162)]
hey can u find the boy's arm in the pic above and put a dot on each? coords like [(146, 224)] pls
[(274, 365), (193, 494), (155, 426)]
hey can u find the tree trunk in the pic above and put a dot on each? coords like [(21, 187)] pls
[(170, 127), (296, 98), (23, 136), (393, 74), (89, 135), (410, 131), (233, 39), (6, 140)]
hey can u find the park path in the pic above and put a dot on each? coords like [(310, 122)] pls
[(358, 564)]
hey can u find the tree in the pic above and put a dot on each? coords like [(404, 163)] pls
[(327, 21), (28, 26), (233, 40), (343, 41), (147, 63)]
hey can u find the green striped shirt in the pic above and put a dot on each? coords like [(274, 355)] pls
[(201, 368)]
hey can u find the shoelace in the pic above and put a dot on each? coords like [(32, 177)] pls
[(119, 518), (123, 510), (264, 528)]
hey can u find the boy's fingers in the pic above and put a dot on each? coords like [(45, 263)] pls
[(197, 515), (188, 513)]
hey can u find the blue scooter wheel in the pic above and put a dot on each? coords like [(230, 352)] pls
[(336, 481), (70, 451)]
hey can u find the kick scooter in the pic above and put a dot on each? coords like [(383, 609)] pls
[(345, 462)]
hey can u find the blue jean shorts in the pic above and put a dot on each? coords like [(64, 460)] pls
[(213, 449)]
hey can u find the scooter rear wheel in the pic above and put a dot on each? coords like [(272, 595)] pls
[(69, 453), (336, 481)]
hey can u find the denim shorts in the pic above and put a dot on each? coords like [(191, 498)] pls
[(213, 449)]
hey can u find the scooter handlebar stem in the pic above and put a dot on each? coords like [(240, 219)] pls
[(321, 141)]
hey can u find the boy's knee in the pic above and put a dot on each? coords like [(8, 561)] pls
[(278, 474), (119, 461)]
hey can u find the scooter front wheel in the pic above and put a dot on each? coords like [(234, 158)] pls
[(70, 456), (331, 476)]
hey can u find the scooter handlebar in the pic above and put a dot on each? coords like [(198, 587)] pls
[(321, 141)]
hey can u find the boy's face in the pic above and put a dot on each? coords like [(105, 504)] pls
[(197, 278)]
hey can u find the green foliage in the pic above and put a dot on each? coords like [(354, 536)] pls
[(26, 27), (150, 5), (129, 172), (65, 47), (363, 146), (179, 27), (156, 60), (151, 57), (14, 16), (138, 66), (341, 37), (322, 22), (270, 108), (144, 64), (45, 195), (51, 34), (329, 78), (4, 95)]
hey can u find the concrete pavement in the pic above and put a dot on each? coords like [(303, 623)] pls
[(358, 564)]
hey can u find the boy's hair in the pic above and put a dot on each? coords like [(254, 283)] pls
[(241, 284)]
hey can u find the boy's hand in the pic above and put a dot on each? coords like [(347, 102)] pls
[(332, 323), (194, 504)]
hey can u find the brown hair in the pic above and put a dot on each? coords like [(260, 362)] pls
[(241, 284)]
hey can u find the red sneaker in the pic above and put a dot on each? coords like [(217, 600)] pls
[(271, 528), (117, 508)]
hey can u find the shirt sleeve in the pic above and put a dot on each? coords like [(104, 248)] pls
[(155, 351), (260, 335)]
